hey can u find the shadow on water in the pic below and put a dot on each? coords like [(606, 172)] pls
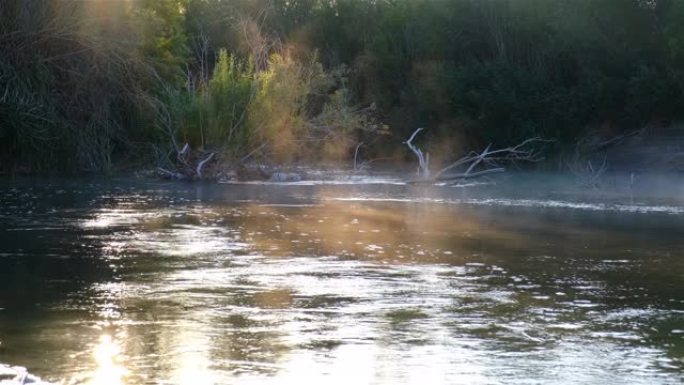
[(125, 282)]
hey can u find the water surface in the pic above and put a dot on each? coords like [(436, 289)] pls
[(130, 282)]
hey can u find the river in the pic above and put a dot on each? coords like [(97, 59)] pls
[(362, 281)]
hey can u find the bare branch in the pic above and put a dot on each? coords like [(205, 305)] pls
[(487, 161), (170, 174), (184, 150), (261, 146), (356, 154), (492, 157), (201, 164), (423, 164)]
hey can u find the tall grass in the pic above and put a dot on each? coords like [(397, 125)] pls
[(69, 83)]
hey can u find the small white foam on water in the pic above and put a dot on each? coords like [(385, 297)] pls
[(398, 200), (617, 207), (631, 208), (324, 182)]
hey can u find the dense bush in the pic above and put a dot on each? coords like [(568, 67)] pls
[(505, 70), (68, 90)]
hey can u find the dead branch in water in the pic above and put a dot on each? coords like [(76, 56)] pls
[(182, 167), (476, 164), (170, 174), (588, 148), (201, 164), (592, 142), (356, 155), (587, 174), (423, 161)]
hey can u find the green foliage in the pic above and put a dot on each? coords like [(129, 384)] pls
[(83, 84), (212, 114), (674, 31), (280, 112), (163, 41), (504, 70), (230, 91), (289, 106)]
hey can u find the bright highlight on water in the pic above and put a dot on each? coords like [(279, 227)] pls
[(131, 283)]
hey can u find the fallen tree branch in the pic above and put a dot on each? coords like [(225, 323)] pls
[(356, 154), (201, 164), (580, 164), (184, 150), (492, 158), (607, 143), (170, 174), (588, 175), (423, 161), (488, 158), (187, 165)]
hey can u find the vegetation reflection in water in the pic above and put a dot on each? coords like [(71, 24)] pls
[(300, 286)]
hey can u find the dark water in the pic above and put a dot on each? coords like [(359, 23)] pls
[(124, 282)]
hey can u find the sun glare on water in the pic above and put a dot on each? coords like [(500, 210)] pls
[(109, 370)]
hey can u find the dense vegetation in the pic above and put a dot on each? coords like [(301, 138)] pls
[(88, 85)]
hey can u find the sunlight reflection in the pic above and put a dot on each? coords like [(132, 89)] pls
[(347, 290), (113, 217), (109, 370), (371, 363), (165, 231), (352, 364), (426, 234), (192, 361)]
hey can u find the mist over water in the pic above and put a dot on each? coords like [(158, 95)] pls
[(518, 280)]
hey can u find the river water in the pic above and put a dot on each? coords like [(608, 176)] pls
[(365, 281)]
